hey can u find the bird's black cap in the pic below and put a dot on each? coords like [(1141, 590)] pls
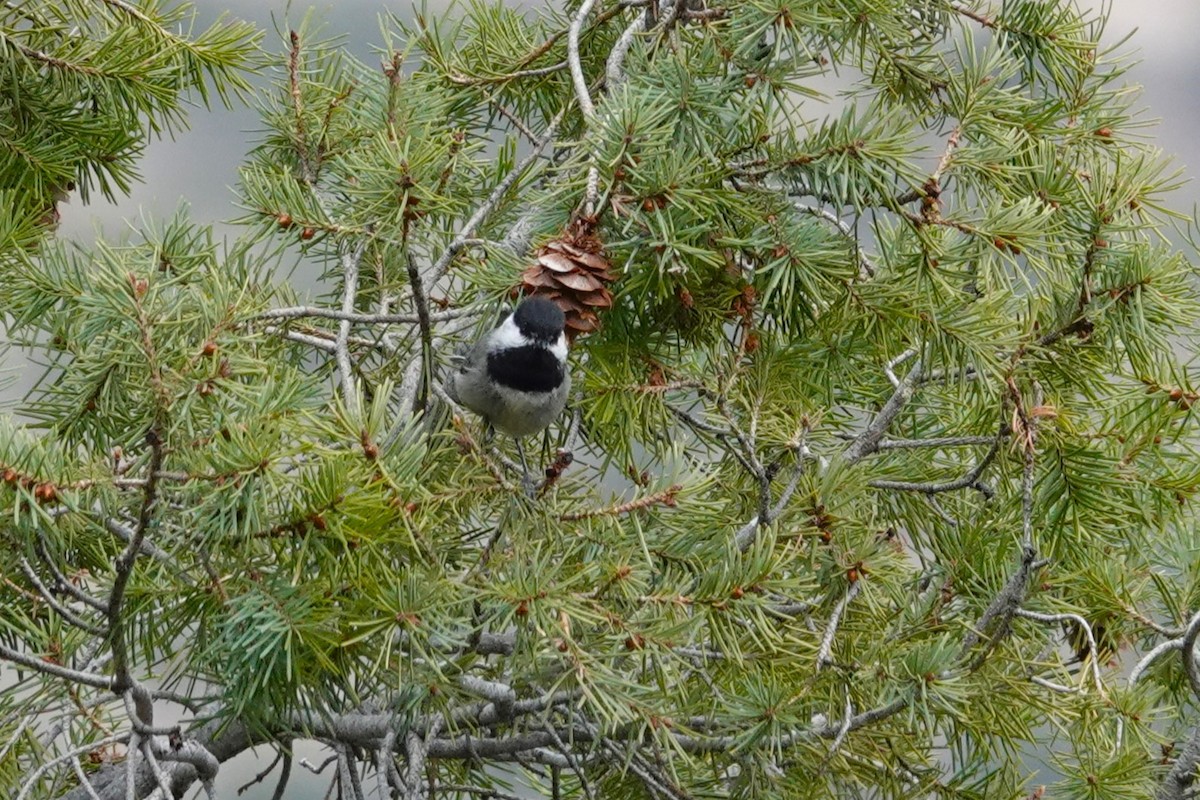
[(539, 319)]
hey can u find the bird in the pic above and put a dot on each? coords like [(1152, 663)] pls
[(516, 376)]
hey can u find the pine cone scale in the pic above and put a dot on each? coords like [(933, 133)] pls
[(572, 271)]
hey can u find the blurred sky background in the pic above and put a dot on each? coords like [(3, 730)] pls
[(200, 165)]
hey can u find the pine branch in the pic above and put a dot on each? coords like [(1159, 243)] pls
[(614, 69), (1178, 781), (69, 616), (970, 480), (868, 441), (56, 670), (123, 566), (485, 209), (666, 498)]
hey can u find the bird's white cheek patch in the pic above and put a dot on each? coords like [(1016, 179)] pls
[(508, 335), (559, 348)]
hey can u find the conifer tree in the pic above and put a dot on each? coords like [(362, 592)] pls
[(877, 480)]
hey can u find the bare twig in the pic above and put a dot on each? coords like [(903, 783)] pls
[(487, 792), (131, 761), (1144, 663), (350, 788), (62, 581), (532, 72), (982, 19), (1188, 646), (573, 762), (32, 779), (614, 68), (160, 777), (421, 301), (866, 269), (996, 619), (307, 173), (747, 534), (317, 769), (190, 751), (968, 481), (261, 776), (889, 368), (580, 80), (285, 773), (83, 779), (935, 442), (1179, 780), (940, 510), (315, 342), (417, 750), (843, 732), (1030, 422), (694, 422), (1052, 686), (868, 440), (22, 726), (350, 263), (516, 121), (1087, 629), (299, 312), (834, 620), (123, 566), (502, 696), (127, 534), (64, 612)]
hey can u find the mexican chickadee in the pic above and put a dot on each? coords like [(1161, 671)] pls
[(516, 377)]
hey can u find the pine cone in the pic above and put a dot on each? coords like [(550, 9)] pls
[(573, 272)]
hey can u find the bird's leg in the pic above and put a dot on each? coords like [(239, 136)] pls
[(526, 479)]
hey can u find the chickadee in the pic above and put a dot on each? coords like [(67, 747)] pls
[(516, 377)]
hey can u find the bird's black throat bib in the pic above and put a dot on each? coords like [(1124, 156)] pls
[(529, 368)]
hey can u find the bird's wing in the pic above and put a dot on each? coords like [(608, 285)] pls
[(468, 357)]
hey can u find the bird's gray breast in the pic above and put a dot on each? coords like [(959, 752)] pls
[(519, 413)]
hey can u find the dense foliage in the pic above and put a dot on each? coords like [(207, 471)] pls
[(877, 481)]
